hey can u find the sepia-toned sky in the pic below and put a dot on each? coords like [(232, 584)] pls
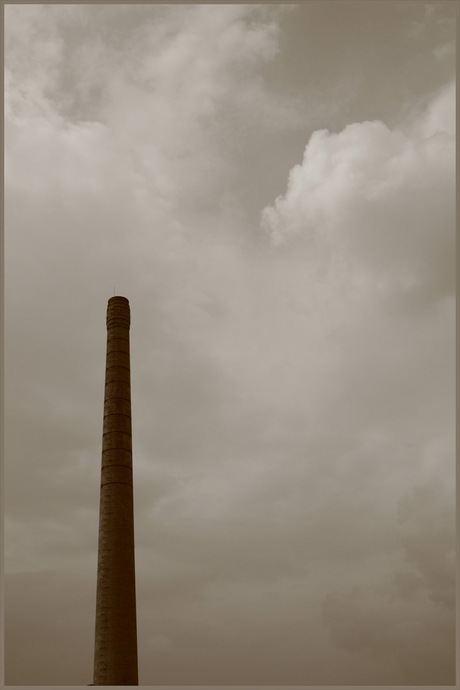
[(272, 188)]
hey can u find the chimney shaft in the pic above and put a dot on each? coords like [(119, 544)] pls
[(115, 653)]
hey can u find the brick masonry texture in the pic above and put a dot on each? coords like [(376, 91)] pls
[(115, 654)]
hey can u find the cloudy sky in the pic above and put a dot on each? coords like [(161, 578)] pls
[(272, 188)]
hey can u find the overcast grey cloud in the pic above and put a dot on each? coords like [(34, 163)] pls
[(272, 188)]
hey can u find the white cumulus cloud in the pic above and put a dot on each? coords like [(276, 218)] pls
[(380, 198)]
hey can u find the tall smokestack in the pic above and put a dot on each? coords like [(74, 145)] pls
[(115, 652)]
